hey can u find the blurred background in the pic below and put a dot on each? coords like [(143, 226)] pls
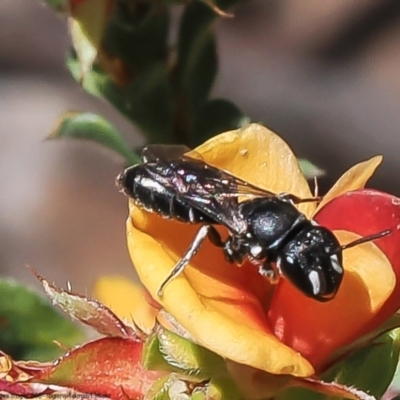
[(325, 75)]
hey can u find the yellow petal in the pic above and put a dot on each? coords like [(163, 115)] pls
[(127, 300), (354, 178), (259, 156), (372, 268)]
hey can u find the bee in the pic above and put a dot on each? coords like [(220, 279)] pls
[(264, 227)]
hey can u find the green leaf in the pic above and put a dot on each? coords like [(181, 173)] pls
[(194, 360), (146, 101), (138, 34), (300, 393), (179, 352), (371, 368), (315, 389), (221, 388), (29, 325), (153, 359), (87, 26), (166, 351), (95, 79), (85, 49), (389, 325), (196, 66), (196, 58), (96, 129), (159, 390), (216, 116), (225, 4), (169, 352), (172, 387), (219, 6)]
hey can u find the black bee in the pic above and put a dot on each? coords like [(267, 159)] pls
[(264, 227)]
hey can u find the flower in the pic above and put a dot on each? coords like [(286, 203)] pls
[(235, 312)]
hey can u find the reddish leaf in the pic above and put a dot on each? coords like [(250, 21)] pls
[(28, 390), (17, 389), (19, 379), (15, 379), (14, 372), (108, 367), (90, 312)]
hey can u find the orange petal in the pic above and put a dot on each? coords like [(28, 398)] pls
[(354, 178), (318, 329), (259, 156), (127, 300)]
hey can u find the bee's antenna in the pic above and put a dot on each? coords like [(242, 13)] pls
[(362, 240)]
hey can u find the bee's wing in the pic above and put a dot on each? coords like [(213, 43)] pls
[(208, 189), (163, 154), (216, 193)]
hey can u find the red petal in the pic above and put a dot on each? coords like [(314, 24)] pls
[(366, 212), (318, 329)]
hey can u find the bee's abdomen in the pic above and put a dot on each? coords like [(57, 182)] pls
[(151, 195)]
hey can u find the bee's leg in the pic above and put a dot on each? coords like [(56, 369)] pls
[(215, 237), (229, 246), (270, 270), (201, 235)]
